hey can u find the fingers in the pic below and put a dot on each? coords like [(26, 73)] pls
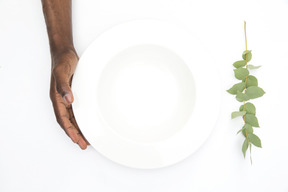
[(76, 136), (61, 110), (73, 121), (72, 132), (62, 117)]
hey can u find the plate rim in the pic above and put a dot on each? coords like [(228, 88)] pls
[(146, 25)]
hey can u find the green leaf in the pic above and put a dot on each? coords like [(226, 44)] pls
[(254, 139), (249, 108), (240, 63), (253, 67), (251, 81), (245, 147), (237, 114), (251, 120), (237, 87), (254, 92), (241, 73), (247, 55), (239, 131), (249, 129), (241, 97)]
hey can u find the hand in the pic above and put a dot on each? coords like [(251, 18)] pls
[(63, 67)]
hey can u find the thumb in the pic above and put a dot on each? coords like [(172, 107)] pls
[(62, 82)]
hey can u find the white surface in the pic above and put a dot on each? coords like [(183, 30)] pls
[(36, 155), (143, 101)]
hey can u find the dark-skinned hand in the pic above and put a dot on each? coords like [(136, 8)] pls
[(63, 67)]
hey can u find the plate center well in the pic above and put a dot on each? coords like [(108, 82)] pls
[(146, 93)]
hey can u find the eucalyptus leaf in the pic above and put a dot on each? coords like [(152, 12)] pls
[(239, 131), (251, 81), (254, 92), (237, 87), (247, 55), (247, 128), (245, 147), (249, 108), (251, 120), (241, 73), (245, 90), (255, 140), (241, 97), (253, 67), (237, 114), (240, 63)]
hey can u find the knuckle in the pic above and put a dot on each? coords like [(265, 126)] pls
[(60, 90), (61, 81)]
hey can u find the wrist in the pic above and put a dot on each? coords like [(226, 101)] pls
[(60, 45)]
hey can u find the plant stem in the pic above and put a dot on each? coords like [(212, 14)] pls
[(245, 82), (245, 34)]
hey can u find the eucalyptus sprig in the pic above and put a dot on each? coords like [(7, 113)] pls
[(245, 90)]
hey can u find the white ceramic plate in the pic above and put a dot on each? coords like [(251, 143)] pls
[(146, 93)]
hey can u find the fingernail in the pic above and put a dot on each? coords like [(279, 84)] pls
[(68, 98)]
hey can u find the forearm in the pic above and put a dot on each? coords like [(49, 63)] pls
[(57, 15)]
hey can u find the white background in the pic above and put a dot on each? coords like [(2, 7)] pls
[(36, 155)]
